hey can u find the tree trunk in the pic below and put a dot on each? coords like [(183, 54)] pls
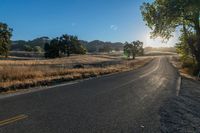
[(196, 44), (197, 27), (68, 50), (6, 55)]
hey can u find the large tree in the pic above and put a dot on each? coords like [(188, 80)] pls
[(71, 45), (66, 44), (5, 36), (165, 16), (52, 49)]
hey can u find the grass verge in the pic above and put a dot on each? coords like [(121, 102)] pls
[(186, 69)]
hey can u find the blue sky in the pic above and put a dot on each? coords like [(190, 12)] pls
[(106, 20)]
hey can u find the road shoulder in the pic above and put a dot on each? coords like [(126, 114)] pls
[(180, 114)]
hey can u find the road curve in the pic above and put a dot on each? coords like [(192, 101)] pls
[(127, 102)]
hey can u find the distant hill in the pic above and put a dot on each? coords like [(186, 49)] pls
[(93, 46), (160, 49), (21, 45), (100, 46)]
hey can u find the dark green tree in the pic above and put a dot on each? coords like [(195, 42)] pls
[(47, 50), (71, 45), (52, 49), (138, 46), (128, 50), (5, 36), (78, 48), (66, 44)]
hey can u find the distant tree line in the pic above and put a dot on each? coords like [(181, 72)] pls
[(64, 45), (134, 48), (35, 45), (101, 46), (29, 48)]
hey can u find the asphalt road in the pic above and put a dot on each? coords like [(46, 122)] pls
[(127, 102)]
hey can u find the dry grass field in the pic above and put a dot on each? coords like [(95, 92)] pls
[(20, 74), (74, 59)]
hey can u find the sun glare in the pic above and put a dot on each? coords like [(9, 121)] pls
[(158, 42)]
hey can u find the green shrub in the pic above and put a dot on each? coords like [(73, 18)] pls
[(191, 65)]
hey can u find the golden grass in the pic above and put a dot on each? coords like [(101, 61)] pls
[(64, 61), (23, 74)]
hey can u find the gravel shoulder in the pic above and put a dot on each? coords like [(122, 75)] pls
[(181, 114)]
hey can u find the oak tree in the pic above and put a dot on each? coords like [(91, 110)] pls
[(5, 39)]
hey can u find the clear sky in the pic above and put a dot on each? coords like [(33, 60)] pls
[(106, 20)]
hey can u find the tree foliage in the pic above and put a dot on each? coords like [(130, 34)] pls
[(52, 49), (28, 48), (5, 36), (134, 48), (182, 47), (66, 45), (165, 16), (37, 49)]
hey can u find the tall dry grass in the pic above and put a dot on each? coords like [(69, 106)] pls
[(22, 74)]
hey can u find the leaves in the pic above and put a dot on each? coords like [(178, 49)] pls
[(133, 49), (66, 44), (163, 17), (5, 35)]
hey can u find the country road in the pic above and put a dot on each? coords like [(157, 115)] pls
[(127, 102)]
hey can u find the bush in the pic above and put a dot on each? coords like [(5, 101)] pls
[(196, 70), (191, 66), (188, 64)]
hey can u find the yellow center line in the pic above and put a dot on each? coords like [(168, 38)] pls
[(13, 119)]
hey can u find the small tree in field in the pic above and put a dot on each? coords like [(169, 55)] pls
[(129, 50), (133, 49), (5, 36)]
